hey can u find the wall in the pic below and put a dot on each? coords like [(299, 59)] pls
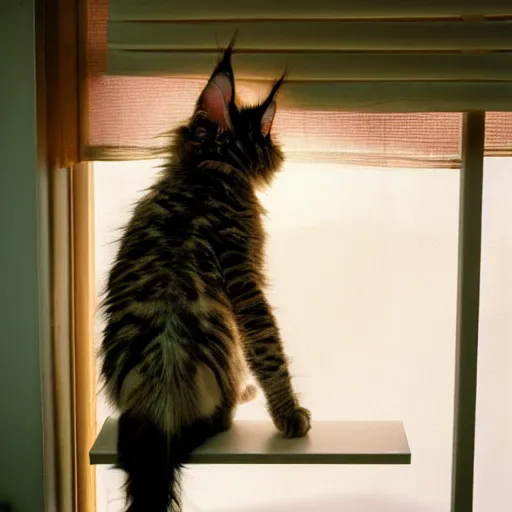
[(21, 439)]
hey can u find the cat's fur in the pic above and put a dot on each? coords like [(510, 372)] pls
[(185, 308)]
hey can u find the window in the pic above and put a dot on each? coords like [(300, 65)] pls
[(363, 266), (381, 302), (494, 411)]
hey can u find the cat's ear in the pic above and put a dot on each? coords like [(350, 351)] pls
[(215, 99), (269, 108), (268, 118), (219, 92)]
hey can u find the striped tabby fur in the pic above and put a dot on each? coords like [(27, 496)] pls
[(185, 309)]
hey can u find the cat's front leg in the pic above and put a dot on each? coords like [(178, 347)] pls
[(267, 360), (265, 356)]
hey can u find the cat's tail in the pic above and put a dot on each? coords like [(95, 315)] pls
[(153, 461), (152, 466)]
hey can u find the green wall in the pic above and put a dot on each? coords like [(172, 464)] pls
[(21, 439)]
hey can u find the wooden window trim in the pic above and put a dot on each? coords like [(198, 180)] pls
[(66, 257), (83, 313)]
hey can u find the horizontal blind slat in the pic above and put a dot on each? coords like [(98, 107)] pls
[(300, 9), (400, 96), (303, 35), (365, 66), (319, 67)]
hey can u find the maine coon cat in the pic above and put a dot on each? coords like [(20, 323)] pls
[(184, 306)]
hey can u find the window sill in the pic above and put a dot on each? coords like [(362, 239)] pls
[(257, 442)]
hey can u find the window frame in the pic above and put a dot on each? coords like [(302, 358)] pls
[(67, 266), (66, 271)]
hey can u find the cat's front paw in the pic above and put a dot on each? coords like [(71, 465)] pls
[(295, 424)]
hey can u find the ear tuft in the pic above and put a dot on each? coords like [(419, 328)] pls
[(215, 99), (268, 118)]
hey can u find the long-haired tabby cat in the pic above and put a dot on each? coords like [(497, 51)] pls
[(185, 308)]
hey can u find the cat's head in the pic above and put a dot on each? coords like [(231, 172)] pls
[(221, 131)]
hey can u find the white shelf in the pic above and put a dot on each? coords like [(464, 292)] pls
[(258, 442)]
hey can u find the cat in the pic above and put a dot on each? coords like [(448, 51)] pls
[(185, 309)]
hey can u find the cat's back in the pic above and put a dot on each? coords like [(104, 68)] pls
[(171, 245)]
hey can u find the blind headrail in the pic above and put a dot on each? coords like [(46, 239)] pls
[(301, 9)]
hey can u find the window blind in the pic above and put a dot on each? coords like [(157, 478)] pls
[(442, 55), (370, 82), (302, 9)]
